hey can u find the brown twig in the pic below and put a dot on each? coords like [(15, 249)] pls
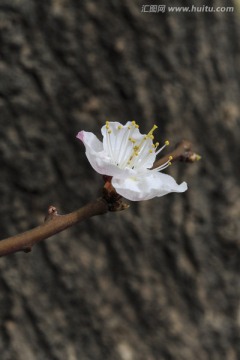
[(53, 224), (111, 201), (182, 152)]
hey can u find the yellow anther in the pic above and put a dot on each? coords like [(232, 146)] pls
[(169, 163), (109, 131), (151, 137), (136, 126), (156, 145), (170, 158), (136, 148), (133, 122), (129, 127), (119, 127), (152, 130), (150, 151), (167, 142)]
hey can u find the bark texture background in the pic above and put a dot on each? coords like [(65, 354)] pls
[(160, 280)]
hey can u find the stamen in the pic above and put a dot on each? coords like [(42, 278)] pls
[(165, 144), (136, 154), (165, 165), (109, 144), (141, 162), (141, 148), (124, 151), (152, 130)]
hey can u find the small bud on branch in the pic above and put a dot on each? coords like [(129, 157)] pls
[(182, 152), (53, 225)]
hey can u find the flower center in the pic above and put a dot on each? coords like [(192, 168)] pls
[(127, 148)]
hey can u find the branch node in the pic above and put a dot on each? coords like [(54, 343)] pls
[(52, 212), (27, 249), (114, 200)]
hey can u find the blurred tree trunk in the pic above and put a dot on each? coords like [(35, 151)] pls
[(160, 280)]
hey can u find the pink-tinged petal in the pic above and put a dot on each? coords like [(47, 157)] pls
[(80, 135), (94, 149), (90, 140), (146, 186)]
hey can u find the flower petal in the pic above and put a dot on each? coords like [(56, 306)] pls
[(98, 158), (146, 186), (90, 140)]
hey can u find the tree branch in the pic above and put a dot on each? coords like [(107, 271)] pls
[(53, 224), (182, 152), (110, 201)]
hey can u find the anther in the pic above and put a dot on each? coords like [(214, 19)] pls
[(167, 142), (170, 158), (152, 130), (132, 140)]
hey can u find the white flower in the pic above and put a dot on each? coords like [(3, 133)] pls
[(128, 156)]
